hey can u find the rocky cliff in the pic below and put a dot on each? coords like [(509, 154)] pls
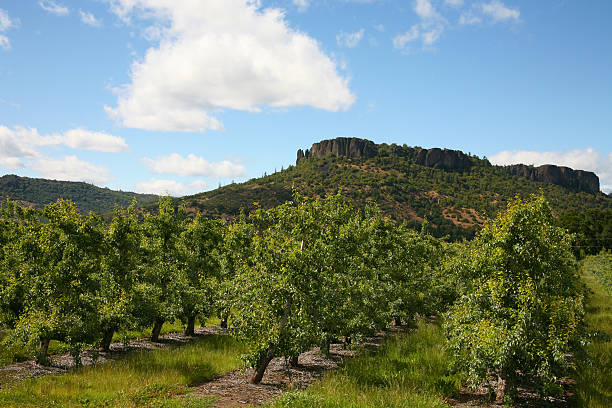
[(342, 146), (443, 159), (578, 180)]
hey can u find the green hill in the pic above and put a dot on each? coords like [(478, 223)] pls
[(453, 191), (39, 192)]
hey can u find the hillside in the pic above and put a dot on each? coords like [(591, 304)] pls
[(455, 192), (39, 192)]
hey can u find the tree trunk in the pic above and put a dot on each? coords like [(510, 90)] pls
[(325, 347), (224, 322), (190, 329), (41, 356), (260, 369), (500, 389), (156, 330), (107, 338), (398, 321), (293, 362)]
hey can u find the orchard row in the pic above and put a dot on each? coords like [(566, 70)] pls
[(303, 274)]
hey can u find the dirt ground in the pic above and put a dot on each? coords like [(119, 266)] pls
[(61, 363), (234, 390)]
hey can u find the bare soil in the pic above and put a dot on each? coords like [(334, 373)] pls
[(62, 363), (234, 390), (527, 397)]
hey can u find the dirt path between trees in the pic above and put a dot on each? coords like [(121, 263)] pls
[(62, 363), (234, 390)]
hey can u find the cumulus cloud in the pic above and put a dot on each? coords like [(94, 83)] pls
[(89, 19), (20, 147), (21, 143), (222, 54), (71, 168), (588, 159), (54, 7), (350, 40), (83, 139), (494, 11), (193, 165), (170, 187), (6, 23)]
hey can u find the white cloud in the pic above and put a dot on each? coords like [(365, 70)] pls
[(588, 159), (469, 18), (425, 10), (428, 31), (89, 19), (302, 5), (6, 23), (54, 7), (379, 27), (20, 146), (193, 165), (21, 143), (71, 168), (222, 54), (97, 141), (401, 41), (499, 12), (350, 40), (494, 11), (198, 185), (453, 3), (171, 187), (5, 43)]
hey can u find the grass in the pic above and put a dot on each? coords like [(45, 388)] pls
[(410, 370), (155, 379), (594, 373), (13, 353)]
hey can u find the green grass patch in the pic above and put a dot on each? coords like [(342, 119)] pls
[(10, 353), (410, 370), (594, 373), (160, 378)]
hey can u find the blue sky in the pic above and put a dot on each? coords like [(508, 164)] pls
[(181, 96)]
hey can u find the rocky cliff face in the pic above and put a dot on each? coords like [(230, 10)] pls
[(341, 146), (579, 180), (443, 159)]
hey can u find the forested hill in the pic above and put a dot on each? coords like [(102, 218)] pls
[(39, 192), (454, 191)]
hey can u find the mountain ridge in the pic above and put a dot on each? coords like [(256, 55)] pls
[(37, 192)]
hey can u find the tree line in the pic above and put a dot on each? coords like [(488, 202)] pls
[(306, 273)]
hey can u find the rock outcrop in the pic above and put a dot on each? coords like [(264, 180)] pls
[(342, 146), (443, 159), (578, 180)]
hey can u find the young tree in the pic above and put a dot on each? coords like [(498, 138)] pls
[(523, 312), (236, 251), (60, 266), (277, 292), (12, 228), (199, 246), (157, 296), (119, 273)]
